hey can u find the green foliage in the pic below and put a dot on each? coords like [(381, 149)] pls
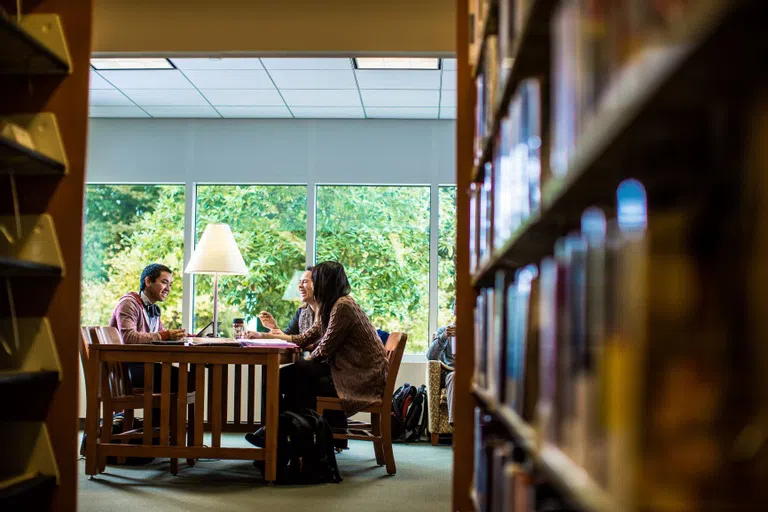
[(380, 234)]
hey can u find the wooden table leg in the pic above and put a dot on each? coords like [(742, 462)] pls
[(92, 413), (106, 415), (181, 408), (199, 403), (149, 378), (272, 369), (215, 407), (263, 418)]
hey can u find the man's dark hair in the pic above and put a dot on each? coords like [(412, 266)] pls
[(152, 271), (309, 268), (330, 283)]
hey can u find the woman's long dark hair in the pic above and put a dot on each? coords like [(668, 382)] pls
[(330, 283)]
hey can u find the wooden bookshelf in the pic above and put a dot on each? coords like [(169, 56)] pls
[(44, 64), (666, 125)]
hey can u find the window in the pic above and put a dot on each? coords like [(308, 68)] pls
[(126, 228), (381, 236), (446, 255), (269, 224)]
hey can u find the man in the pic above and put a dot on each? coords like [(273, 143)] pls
[(137, 318), (441, 349)]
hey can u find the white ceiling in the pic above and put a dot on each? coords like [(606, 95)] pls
[(274, 88)]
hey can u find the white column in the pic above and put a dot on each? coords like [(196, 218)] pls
[(188, 297), (434, 227)]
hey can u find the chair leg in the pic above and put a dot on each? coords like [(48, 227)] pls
[(376, 430), (386, 440), (173, 437), (106, 436), (127, 425), (435, 438), (191, 430)]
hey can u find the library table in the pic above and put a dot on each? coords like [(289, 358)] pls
[(270, 357)]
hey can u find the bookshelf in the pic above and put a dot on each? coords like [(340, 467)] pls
[(654, 127), (44, 64)]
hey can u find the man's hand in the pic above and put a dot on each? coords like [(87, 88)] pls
[(267, 320), (177, 334), (450, 331)]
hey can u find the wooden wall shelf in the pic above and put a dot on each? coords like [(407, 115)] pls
[(35, 252), (35, 46), (27, 394), (48, 155), (27, 492)]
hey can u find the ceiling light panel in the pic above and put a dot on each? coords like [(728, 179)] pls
[(108, 98), (230, 79), (313, 79), (398, 79), (303, 63), (132, 63), (328, 112), (381, 98), (402, 112), (189, 112), (166, 97), (243, 97), (321, 98), (396, 63), (133, 111), (218, 63), (97, 82), (147, 79), (254, 112)]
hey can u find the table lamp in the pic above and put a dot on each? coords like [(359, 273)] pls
[(216, 253)]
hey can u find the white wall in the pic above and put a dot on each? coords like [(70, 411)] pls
[(375, 152)]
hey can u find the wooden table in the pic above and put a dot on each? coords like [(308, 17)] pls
[(217, 358)]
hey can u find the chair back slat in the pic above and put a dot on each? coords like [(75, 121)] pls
[(395, 348), (119, 384), (85, 342)]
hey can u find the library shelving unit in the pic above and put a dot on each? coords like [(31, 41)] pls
[(604, 365), (44, 74)]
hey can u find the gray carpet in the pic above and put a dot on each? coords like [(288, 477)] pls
[(422, 482)]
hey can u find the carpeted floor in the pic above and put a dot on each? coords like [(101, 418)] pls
[(422, 482)]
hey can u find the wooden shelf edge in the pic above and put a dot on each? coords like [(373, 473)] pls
[(490, 15), (484, 275), (56, 65)]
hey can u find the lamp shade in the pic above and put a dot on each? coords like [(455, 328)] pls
[(216, 253)]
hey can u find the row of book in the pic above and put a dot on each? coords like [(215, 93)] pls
[(595, 347), (511, 189), (602, 53)]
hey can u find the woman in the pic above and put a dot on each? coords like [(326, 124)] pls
[(305, 316), (348, 361)]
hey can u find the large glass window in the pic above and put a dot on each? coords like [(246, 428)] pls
[(446, 255), (381, 236), (269, 224), (126, 228)]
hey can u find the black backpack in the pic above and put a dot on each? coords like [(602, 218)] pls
[(409, 413), (401, 401), (305, 453)]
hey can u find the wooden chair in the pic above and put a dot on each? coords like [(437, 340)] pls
[(379, 430), (122, 396)]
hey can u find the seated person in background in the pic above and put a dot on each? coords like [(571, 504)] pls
[(305, 316), (137, 317), (349, 360), (441, 350)]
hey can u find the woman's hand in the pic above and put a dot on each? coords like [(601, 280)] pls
[(267, 320), (277, 334), (253, 335)]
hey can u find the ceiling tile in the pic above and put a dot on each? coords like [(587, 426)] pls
[(447, 113), (243, 97), (449, 80), (147, 79), (96, 111), (449, 64), (108, 98), (182, 111), (402, 112), (230, 79), (448, 99), (254, 112), (166, 97), (218, 63), (398, 79), (379, 98), (314, 79), (328, 112), (302, 63), (97, 82), (320, 98)]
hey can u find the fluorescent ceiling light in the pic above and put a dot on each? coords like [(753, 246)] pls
[(102, 64), (396, 63)]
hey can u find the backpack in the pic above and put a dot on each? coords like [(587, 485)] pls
[(305, 453), (401, 401), (417, 417), (117, 428)]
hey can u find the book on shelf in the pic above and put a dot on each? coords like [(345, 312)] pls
[(491, 352), (481, 353), (517, 310), (497, 351), (474, 225)]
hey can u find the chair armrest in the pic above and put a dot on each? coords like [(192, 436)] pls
[(445, 366)]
